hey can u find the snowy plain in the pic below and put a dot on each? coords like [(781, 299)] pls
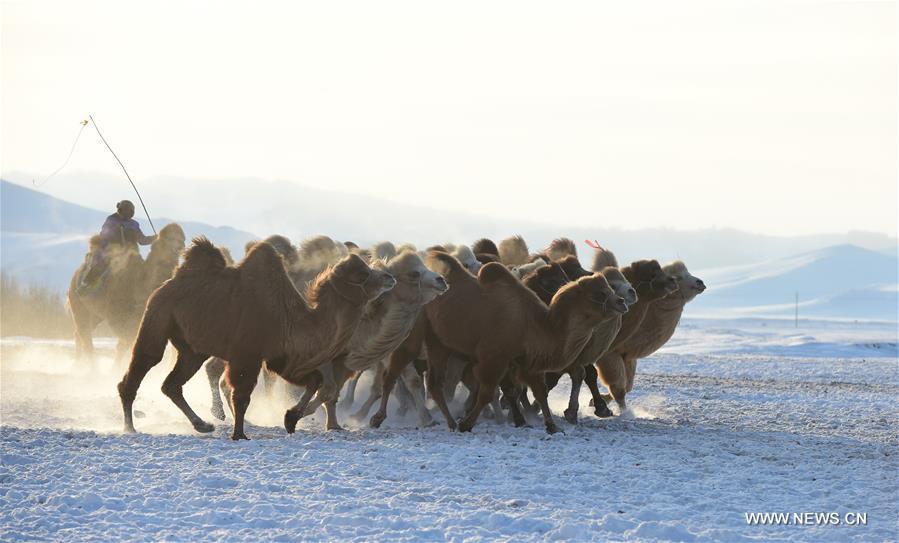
[(731, 417)]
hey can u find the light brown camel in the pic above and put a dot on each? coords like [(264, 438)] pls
[(620, 363), (385, 323), (128, 283), (246, 314), (651, 284), (503, 327)]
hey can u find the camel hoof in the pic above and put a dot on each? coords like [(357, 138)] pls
[(571, 416), (203, 427), (334, 428), (552, 429), (376, 420), (129, 429), (603, 412), (238, 437), (290, 421), (218, 411), (430, 424)]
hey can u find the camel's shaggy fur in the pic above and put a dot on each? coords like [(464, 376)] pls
[(129, 284), (246, 314), (560, 248), (485, 246), (502, 326), (514, 251), (657, 327)]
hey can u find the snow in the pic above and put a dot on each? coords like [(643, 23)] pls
[(732, 417)]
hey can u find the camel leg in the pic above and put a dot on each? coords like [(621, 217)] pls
[(186, 366), (455, 372), (373, 395), (412, 381), (488, 379), (313, 383), (600, 409), (577, 377), (437, 359), (538, 386), (350, 395), (404, 396), (242, 377), (215, 368), (614, 375), (510, 391), (141, 362), (630, 367), (226, 392), (399, 359)]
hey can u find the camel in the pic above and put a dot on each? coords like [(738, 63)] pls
[(246, 314), (651, 284), (128, 284), (386, 322), (514, 251), (618, 366), (503, 327)]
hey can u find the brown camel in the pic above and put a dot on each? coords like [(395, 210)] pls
[(128, 284), (560, 248), (485, 246), (503, 327), (246, 314), (385, 323), (651, 284), (619, 365)]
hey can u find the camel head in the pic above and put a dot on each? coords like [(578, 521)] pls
[(415, 283), (688, 285), (592, 295), (466, 256), (546, 280), (620, 284), (526, 269), (171, 239), (650, 280), (356, 281), (572, 268)]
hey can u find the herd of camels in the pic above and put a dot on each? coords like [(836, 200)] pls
[(497, 319)]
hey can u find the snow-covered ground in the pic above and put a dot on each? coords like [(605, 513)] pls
[(732, 417)]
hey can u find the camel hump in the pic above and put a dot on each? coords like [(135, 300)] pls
[(447, 265), (262, 256), (604, 258), (494, 272), (202, 254)]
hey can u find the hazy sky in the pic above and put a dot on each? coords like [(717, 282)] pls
[(776, 117)]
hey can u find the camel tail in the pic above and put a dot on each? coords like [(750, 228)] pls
[(202, 255), (604, 258)]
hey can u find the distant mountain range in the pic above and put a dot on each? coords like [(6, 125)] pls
[(843, 281), (267, 207), (44, 239)]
